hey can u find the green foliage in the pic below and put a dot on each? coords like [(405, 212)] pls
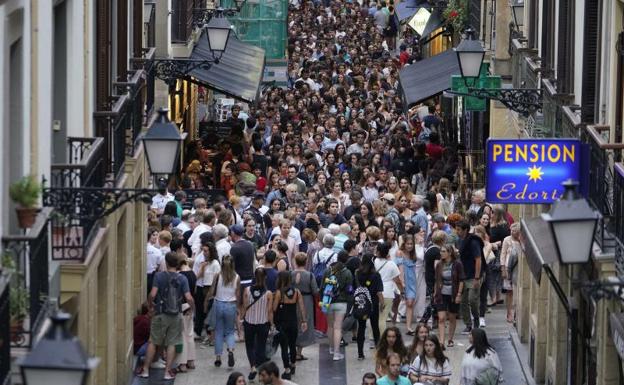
[(456, 14), (25, 192), (18, 300)]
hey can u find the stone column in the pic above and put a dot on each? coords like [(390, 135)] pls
[(502, 60)]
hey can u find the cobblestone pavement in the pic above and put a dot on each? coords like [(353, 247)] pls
[(319, 369)]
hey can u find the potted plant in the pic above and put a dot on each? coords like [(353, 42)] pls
[(456, 15), (18, 309), (26, 192)]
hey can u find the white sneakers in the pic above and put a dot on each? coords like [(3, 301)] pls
[(338, 356), (481, 322)]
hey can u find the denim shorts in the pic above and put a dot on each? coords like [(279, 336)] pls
[(337, 308)]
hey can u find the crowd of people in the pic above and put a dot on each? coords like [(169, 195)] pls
[(341, 216)]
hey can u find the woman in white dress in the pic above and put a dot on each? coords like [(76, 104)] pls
[(421, 285)]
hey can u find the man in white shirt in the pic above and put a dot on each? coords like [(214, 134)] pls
[(220, 235), (332, 140), (184, 225), (154, 258), (326, 255), (207, 219), (160, 200)]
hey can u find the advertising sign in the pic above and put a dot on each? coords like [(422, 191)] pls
[(418, 22), (531, 171)]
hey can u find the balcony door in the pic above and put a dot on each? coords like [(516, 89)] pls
[(59, 84)]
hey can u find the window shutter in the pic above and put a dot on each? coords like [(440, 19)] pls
[(122, 39), (565, 42), (103, 62), (590, 61)]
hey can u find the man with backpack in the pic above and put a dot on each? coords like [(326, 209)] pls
[(336, 289), (324, 258), (392, 213), (165, 299)]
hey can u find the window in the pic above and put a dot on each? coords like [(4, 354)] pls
[(565, 49), (591, 61)]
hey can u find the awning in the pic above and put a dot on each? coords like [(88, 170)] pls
[(238, 73), (617, 332), (539, 245), (428, 77), (435, 21), (406, 9)]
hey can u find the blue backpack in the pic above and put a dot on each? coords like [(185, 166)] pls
[(318, 269)]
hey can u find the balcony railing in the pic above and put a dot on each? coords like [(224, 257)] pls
[(5, 331), (618, 207), (30, 254), (72, 234), (121, 124), (146, 63), (601, 192)]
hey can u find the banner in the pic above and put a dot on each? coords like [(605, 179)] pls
[(531, 171)]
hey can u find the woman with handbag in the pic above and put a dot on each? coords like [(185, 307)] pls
[(257, 320), (225, 291), (510, 255), (449, 283), (304, 281), (480, 365), (285, 302)]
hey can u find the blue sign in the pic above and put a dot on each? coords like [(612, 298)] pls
[(531, 171)]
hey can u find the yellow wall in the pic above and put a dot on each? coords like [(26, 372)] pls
[(106, 290)]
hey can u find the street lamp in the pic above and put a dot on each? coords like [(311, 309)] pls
[(573, 224), (162, 144), (470, 54), (517, 10), (58, 358), (470, 57), (218, 33)]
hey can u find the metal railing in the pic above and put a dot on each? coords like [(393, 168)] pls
[(5, 331), (618, 207), (601, 187), (30, 253), (147, 89), (122, 122), (72, 233)]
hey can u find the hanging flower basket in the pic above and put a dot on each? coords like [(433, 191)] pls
[(456, 14)]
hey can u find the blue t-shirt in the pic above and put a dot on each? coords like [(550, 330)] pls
[(271, 278), (161, 281), (399, 381)]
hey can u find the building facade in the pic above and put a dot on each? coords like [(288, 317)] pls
[(571, 51)]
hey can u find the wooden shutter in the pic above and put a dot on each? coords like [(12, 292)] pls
[(103, 60), (122, 39), (590, 61), (137, 28), (565, 43), (619, 98)]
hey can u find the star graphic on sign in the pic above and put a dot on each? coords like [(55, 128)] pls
[(535, 173)]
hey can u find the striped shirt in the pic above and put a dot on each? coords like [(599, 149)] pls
[(257, 313), (430, 368)]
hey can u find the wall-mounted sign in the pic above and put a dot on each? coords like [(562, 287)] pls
[(531, 171), (418, 22)]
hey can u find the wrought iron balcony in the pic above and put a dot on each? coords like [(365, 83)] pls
[(30, 254), (618, 225), (5, 332), (87, 168), (602, 184), (121, 124)]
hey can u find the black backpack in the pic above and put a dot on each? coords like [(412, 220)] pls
[(362, 303), (171, 297)]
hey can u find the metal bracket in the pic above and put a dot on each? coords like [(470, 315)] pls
[(525, 101), (611, 288), (169, 70), (92, 203), (201, 16)]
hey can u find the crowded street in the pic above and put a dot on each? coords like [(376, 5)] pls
[(312, 192)]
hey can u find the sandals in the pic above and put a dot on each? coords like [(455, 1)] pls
[(450, 343)]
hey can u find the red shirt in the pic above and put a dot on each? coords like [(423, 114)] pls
[(141, 331), (434, 151), (403, 58)]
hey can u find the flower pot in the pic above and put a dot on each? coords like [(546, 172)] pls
[(26, 217)]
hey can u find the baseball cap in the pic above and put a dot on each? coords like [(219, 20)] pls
[(237, 229), (388, 197)]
